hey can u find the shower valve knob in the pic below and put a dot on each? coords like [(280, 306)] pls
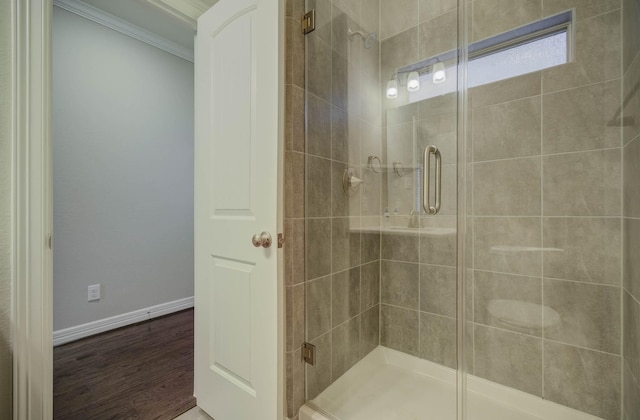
[(262, 240)]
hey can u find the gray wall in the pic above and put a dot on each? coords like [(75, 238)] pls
[(123, 172), (631, 209), (5, 210)]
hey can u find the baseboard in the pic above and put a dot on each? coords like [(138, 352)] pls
[(70, 334)]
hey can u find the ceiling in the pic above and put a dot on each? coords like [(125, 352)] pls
[(170, 19)]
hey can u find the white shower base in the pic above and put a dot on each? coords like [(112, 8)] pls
[(390, 385)]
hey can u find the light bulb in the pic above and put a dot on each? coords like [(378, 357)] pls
[(392, 88), (413, 81), (439, 73)]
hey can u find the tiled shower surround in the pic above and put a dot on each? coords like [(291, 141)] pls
[(543, 205), (333, 123), (550, 223), (342, 263)]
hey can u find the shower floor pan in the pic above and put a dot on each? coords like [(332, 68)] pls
[(390, 385)]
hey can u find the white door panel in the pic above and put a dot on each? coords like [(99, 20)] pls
[(236, 284)]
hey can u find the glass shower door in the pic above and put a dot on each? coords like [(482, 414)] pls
[(380, 283), (505, 303), (543, 210)]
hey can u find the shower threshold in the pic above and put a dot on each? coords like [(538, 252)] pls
[(390, 385)]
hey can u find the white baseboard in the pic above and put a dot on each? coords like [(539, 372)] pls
[(67, 335)]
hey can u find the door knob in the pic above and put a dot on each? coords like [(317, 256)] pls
[(261, 240)]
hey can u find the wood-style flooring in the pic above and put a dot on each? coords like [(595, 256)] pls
[(142, 371)]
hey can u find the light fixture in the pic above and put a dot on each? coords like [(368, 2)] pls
[(413, 81), (392, 87), (439, 73)]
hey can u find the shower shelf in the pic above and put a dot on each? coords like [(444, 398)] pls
[(431, 231)]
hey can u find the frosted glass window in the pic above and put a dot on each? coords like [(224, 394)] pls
[(535, 55), (526, 58)]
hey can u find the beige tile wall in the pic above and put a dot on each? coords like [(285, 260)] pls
[(546, 209), (333, 266), (631, 208), (418, 274), (342, 276), (294, 213), (546, 167)]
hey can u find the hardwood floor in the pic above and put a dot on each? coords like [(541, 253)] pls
[(143, 371)]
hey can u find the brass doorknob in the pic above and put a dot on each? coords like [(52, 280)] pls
[(261, 240)]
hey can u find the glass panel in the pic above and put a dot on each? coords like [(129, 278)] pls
[(380, 287), (539, 198), (342, 209), (543, 219)]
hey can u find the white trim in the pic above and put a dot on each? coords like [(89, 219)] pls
[(70, 334), (31, 210), (103, 18), (170, 9), (188, 11)]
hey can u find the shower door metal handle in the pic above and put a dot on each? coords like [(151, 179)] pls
[(426, 180)]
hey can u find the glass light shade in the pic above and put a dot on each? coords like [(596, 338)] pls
[(439, 73), (413, 81), (392, 88)]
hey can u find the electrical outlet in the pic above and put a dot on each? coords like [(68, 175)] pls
[(93, 293)]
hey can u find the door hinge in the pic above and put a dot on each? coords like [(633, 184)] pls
[(309, 22), (50, 241), (280, 240), (309, 353)]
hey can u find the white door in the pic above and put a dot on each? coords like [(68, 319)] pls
[(237, 336)]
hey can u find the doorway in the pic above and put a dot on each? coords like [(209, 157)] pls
[(122, 172)]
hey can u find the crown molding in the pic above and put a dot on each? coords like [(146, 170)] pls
[(187, 10), (112, 22), (167, 8)]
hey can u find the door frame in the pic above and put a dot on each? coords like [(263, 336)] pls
[(32, 210)]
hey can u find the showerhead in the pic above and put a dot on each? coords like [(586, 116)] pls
[(369, 39)]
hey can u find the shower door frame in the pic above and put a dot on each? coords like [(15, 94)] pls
[(461, 209)]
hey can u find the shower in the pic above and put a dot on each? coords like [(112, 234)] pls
[(369, 39), (505, 304)]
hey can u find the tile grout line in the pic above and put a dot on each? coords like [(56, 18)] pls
[(635, 299), (586, 85), (332, 198), (542, 154), (473, 228), (547, 278), (622, 223), (493, 216), (542, 339), (542, 376)]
